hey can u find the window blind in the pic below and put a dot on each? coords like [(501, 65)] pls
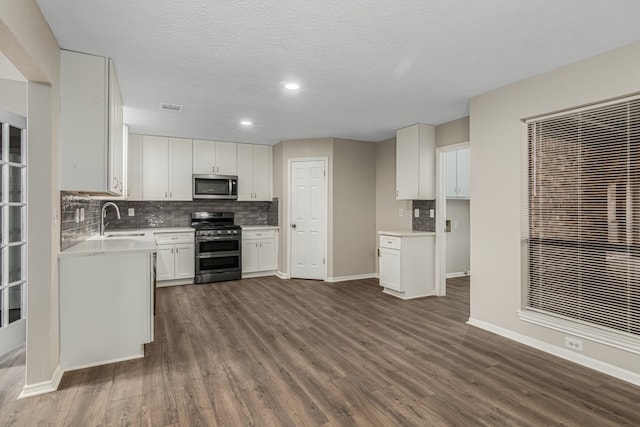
[(582, 216)]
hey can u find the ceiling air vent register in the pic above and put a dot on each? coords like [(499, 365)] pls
[(174, 108)]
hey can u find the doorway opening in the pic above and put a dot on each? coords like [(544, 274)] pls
[(453, 201)]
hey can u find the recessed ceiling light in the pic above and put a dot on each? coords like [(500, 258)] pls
[(246, 122), (291, 86)]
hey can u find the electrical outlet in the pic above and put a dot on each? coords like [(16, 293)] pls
[(131, 212), (456, 224), (573, 343), (432, 213), (400, 212), (77, 216), (416, 213), (81, 214)]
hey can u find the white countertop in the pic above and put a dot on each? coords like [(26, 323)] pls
[(122, 241), (106, 246), (260, 227), (407, 233)]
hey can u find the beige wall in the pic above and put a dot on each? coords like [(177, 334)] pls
[(351, 201), (27, 41), (354, 198), (458, 249), (292, 149), (14, 96), (387, 207), (453, 132), (496, 138)]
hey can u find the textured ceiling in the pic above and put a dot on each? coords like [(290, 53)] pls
[(366, 67)]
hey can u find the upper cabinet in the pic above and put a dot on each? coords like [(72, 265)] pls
[(415, 163), (91, 127), (457, 173), (166, 168), (254, 172), (134, 167), (214, 157)]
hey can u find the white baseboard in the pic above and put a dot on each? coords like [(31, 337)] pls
[(176, 282), (281, 275), (605, 368), (352, 277), (457, 274), (43, 387), (259, 274)]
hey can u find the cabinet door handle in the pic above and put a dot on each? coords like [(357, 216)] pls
[(115, 182), (397, 193), (213, 169), (171, 250), (128, 192), (165, 194), (177, 250), (170, 195)]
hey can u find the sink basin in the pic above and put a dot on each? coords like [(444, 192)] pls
[(125, 235)]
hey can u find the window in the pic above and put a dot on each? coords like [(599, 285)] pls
[(582, 219), (12, 220)]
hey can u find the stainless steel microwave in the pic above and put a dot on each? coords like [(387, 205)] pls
[(215, 187)]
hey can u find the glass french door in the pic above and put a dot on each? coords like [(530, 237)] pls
[(13, 236)]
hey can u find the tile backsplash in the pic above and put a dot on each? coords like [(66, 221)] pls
[(149, 214), (72, 231), (423, 222)]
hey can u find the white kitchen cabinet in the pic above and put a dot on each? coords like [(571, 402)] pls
[(254, 172), (166, 168), (91, 125), (106, 308), (457, 173), (176, 258), (259, 252), (407, 264), (134, 167), (415, 163), (214, 157)]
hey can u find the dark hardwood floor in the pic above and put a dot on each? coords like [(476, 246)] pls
[(270, 352)]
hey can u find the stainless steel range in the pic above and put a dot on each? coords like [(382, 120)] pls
[(218, 247)]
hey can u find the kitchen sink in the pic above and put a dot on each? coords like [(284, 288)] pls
[(125, 235)]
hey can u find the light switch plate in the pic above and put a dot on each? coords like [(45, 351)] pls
[(432, 213), (400, 212), (131, 212)]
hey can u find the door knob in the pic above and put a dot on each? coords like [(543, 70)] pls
[(293, 226)]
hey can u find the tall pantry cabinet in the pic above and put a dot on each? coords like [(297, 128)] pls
[(91, 125)]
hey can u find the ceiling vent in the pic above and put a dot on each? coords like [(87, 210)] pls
[(174, 108)]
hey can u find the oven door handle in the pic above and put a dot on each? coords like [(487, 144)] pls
[(214, 239)]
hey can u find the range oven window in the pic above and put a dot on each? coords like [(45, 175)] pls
[(214, 246)]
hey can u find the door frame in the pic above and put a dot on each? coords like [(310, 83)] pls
[(287, 221), (441, 215)]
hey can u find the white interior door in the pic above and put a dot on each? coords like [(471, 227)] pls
[(308, 219)]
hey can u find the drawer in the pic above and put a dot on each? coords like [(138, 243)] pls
[(391, 242), (171, 238), (259, 234)]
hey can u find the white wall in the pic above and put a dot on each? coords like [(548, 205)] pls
[(496, 139), (26, 40)]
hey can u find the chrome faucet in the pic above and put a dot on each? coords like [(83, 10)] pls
[(103, 215)]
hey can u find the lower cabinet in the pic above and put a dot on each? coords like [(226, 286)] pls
[(259, 252), (106, 308), (407, 264), (175, 263)]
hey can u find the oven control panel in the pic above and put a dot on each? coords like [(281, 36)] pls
[(217, 232)]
